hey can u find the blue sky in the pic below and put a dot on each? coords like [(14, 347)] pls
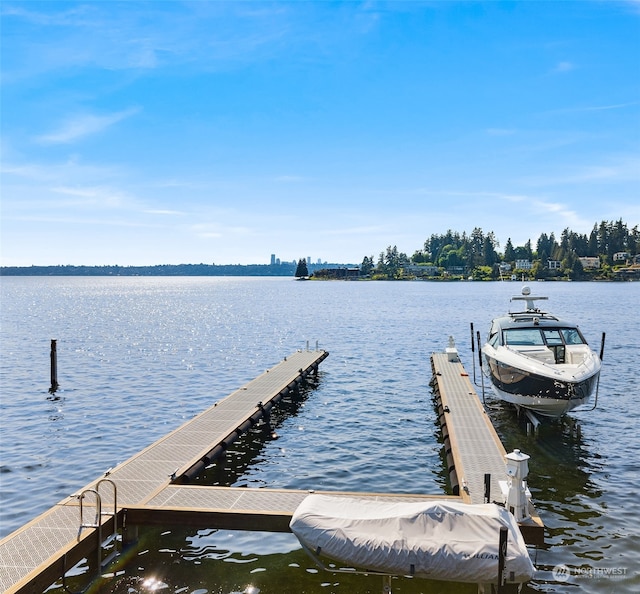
[(139, 133)]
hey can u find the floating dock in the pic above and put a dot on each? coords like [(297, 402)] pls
[(475, 455), (152, 488), (39, 553)]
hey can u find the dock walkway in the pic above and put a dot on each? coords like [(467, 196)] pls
[(268, 510), (472, 445), (40, 552), (475, 446)]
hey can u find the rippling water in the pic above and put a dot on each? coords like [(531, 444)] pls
[(139, 356)]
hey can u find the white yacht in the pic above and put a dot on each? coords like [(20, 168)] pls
[(540, 362)]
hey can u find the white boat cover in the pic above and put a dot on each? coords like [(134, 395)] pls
[(439, 539)]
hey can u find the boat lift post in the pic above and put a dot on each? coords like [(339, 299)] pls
[(473, 359), (473, 354), (601, 355), (481, 370), (604, 335)]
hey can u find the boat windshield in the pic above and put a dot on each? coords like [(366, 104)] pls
[(542, 336), (572, 336), (523, 336)]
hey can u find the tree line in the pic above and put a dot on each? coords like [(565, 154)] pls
[(480, 252), (282, 269)]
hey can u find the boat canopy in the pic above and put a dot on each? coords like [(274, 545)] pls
[(436, 539)]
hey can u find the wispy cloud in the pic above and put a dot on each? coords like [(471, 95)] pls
[(588, 108), (103, 197), (634, 5), (164, 212), (562, 215), (74, 16), (564, 67), (82, 125), (608, 107), (612, 169), (60, 174)]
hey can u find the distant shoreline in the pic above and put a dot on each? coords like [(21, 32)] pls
[(256, 270), (282, 269)]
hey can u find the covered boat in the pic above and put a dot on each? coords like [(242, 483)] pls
[(440, 540), (540, 362)]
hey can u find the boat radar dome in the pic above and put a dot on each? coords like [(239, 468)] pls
[(528, 298)]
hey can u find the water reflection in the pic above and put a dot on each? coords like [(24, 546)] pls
[(565, 480), (227, 562), (56, 408)]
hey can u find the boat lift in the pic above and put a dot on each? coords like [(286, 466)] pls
[(534, 421)]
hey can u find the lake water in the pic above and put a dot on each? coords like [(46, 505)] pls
[(137, 357)]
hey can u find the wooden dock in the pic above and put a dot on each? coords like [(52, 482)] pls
[(153, 489)]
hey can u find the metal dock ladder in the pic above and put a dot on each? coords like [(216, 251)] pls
[(96, 523)]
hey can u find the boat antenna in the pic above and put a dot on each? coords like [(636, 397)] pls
[(529, 298)]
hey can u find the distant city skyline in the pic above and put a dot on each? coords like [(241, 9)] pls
[(181, 132), (275, 261)]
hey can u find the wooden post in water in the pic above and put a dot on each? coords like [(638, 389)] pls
[(54, 366)]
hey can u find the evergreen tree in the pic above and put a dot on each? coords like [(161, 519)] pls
[(393, 261), (301, 269), (618, 238), (367, 266), (489, 253), (592, 248), (576, 269), (633, 241), (509, 252), (603, 237)]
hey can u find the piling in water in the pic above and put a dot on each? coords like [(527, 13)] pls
[(54, 366)]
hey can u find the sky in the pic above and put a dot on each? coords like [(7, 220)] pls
[(161, 132)]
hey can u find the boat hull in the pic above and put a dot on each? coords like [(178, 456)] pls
[(546, 395)]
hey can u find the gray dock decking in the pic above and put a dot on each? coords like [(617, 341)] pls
[(149, 489), (475, 448), (32, 557)]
